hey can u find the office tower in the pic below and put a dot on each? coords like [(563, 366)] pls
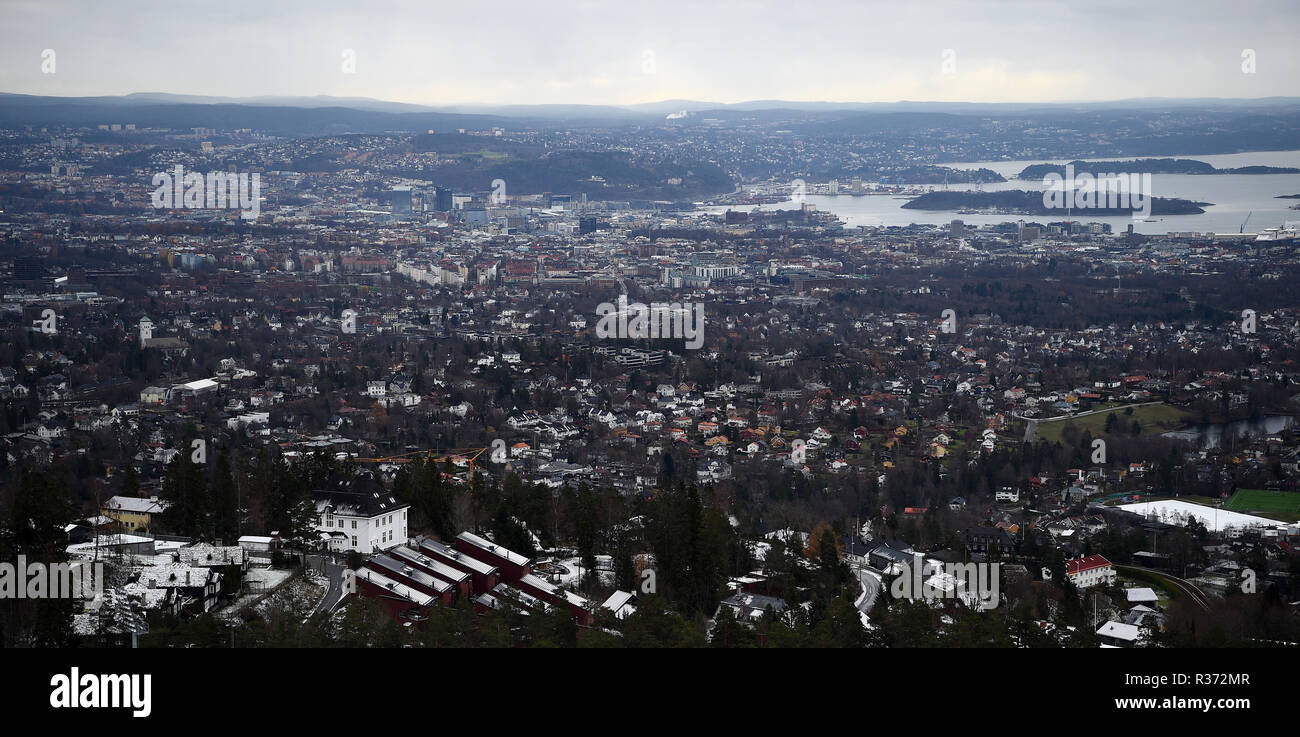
[(401, 200), (442, 199)]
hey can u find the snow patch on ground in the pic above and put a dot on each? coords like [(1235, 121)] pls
[(574, 570), (257, 581), (1174, 512), (299, 597)]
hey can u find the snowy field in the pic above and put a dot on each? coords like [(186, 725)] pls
[(1216, 520)]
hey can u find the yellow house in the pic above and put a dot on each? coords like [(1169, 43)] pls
[(133, 513)]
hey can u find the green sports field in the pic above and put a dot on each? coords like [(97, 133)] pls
[(1280, 505)]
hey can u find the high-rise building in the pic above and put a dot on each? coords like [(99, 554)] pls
[(401, 200), (27, 268), (442, 199)]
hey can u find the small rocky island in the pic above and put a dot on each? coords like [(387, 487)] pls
[(1020, 202), (1145, 166)]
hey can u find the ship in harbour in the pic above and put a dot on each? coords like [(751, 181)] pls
[(1285, 235)]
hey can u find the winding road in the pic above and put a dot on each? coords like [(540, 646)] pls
[(333, 571), (870, 589)]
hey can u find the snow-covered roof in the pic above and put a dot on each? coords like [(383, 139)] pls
[(135, 505), (500, 551), (1119, 631), (1142, 594)]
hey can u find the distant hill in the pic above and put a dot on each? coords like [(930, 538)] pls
[(600, 174), (18, 106), (23, 110)]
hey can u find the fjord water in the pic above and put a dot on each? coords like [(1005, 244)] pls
[(1233, 197)]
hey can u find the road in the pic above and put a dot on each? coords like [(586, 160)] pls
[(333, 570), (870, 588), (1031, 429)]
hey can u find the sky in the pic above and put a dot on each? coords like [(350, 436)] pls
[(616, 52)]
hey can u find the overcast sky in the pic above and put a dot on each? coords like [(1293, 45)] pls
[(616, 52)]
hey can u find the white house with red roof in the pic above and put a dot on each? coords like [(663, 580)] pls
[(1090, 571)]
